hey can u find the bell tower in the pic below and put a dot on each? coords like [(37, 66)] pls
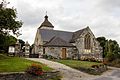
[(46, 24)]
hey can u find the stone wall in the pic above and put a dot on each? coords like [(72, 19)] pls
[(57, 51), (37, 43), (94, 52)]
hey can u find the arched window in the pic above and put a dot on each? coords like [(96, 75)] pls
[(87, 41)]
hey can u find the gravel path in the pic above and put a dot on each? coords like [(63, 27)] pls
[(73, 74), (113, 74), (67, 72)]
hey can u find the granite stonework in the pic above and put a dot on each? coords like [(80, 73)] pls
[(51, 42)]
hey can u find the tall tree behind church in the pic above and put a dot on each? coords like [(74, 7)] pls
[(110, 47)]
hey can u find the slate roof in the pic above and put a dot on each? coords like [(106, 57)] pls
[(46, 23), (56, 41), (46, 34), (60, 38), (77, 34)]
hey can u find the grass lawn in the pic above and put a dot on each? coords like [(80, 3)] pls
[(84, 66), (16, 64), (78, 63)]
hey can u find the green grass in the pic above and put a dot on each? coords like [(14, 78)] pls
[(78, 63), (84, 66), (16, 64)]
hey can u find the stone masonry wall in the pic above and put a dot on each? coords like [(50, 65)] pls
[(57, 52)]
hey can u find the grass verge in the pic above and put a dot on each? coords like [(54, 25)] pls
[(16, 64), (78, 63), (85, 66)]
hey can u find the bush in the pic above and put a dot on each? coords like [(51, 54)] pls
[(110, 57), (48, 56), (35, 69), (105, 61), (94, 69), (98, 69), (51, 57), (115, 63), (95, 66), (90, 59), (45, 56)]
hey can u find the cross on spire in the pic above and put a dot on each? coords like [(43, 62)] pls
[(46, 12)]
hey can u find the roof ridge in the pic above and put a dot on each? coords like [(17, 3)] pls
[(57, 30)]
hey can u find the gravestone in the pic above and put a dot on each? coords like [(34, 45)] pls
[(17, 48), (27, 49), (11, 50)]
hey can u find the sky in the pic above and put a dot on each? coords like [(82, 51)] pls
[(102, 16)]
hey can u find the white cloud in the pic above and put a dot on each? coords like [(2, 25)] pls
[(102, 16)]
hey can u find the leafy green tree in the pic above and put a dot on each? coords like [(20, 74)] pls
[(106, 48), (102, 41), (114, 48), (22, 42), (6, 41), (111, 49), (8, 22)]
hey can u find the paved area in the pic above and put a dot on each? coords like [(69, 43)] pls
[(73, 74)]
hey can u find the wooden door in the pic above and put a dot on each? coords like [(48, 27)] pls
[(63, 53)]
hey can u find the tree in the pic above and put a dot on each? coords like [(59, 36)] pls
[(6, 41), (22, 42), (102, 41), (111, 49), (8, 22)]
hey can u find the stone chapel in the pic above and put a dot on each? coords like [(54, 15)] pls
[(80, 44)]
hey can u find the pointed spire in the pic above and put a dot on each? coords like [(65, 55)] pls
[(46, 23)]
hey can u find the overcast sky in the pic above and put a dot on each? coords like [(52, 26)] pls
[(102, 16)]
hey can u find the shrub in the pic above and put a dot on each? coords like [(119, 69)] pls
[(48, 56), (51, 57), (110, 56), (115, 63), (98, 69), (45, 56), (90, 59), (35, 69), (95, 66), (105, 61)]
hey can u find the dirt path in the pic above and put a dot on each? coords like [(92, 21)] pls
[(67, 72)]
